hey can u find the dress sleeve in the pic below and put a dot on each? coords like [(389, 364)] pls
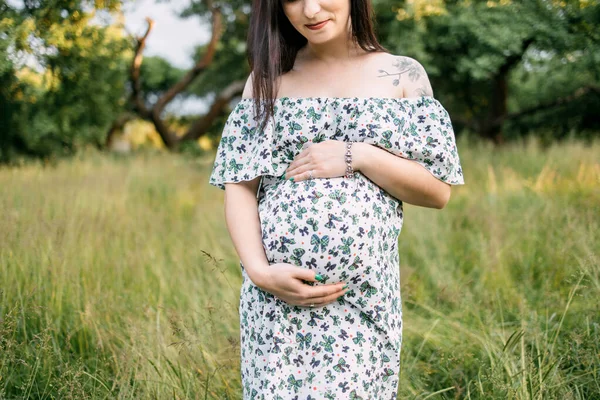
[(243, 152), (424, 134)]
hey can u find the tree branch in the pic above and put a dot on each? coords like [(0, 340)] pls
[(514, 59), (580, 92), (202, 125), (154, 113), (167, 136), (136, 93), (200, 65)]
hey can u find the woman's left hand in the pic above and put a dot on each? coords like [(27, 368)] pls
[(325, 159)]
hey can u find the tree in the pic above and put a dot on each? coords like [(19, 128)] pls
[(52, 57), (473, 50), (154, 112)]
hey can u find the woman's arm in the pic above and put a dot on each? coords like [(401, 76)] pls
[(404, 179), (243, 223), (281, 279)]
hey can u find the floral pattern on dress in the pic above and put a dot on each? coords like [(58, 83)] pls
[(345, 229)]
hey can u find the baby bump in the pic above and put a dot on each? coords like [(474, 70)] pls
[(326, 225)]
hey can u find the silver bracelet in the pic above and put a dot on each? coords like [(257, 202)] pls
[(349, 170)]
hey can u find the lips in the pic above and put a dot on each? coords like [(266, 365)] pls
[(317, 25)]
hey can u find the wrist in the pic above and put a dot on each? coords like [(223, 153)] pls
[(359, 153), (259, 275)]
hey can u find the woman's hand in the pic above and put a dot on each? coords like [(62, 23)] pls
[(285, 281), (325, 159)]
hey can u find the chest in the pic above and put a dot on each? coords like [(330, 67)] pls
[(365, 78)]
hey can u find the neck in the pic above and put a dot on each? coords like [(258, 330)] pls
[(336, 51)]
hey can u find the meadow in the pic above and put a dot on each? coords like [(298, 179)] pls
[(118, 279)]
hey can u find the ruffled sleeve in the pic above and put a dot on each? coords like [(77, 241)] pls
[(243, 152), (423, 134)]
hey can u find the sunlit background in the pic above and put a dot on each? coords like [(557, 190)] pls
[(118, 278)]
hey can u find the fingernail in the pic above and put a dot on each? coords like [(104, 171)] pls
[(345, 286), (292, 178), (319, 277)]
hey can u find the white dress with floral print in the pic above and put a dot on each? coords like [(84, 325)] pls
[(344, 229)]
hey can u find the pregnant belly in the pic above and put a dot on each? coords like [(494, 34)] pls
[(340, 228)]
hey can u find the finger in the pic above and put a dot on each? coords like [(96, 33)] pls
[(301, 172), (321, 301), (316, 292), (305, 274), (298, 162), (304, 173), (308, 275)]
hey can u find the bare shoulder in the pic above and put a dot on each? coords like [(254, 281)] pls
[(407, 74), (247, 93)]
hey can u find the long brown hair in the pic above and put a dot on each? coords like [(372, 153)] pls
[(273, 44)]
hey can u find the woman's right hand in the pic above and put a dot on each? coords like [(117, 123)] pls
[(286, 282)]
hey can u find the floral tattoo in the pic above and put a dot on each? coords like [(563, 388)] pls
[(413, 70)]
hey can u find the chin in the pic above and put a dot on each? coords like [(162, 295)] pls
[(319, 38)]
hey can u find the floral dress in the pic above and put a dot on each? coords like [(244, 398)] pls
[(344, 229)]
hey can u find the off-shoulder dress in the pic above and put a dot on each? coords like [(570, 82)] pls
[(344, 229)]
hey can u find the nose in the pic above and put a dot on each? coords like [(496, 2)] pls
[(311, 8)]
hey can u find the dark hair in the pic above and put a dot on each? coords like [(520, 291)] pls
[(273, 43)]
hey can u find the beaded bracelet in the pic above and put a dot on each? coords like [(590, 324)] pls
[(349, 170)]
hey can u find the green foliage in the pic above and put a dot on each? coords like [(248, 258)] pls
[(530, 86), (70, 89), (469, 49), (64, 79), (157, 75)]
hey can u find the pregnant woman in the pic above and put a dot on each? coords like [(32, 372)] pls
[(332, 134)]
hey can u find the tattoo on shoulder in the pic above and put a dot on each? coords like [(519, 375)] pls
[(405, 66), (424, 91)]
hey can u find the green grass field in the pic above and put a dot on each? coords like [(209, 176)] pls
[(118, 280)]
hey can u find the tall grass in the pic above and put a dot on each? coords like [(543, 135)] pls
[(118, 280)]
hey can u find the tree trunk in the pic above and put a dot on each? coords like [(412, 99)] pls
[(154, 113), (491, 128)]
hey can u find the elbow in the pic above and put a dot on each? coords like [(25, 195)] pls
[(444, 197)]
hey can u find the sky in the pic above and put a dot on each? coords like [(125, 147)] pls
[(172, 38)]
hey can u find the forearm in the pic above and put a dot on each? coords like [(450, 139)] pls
[(404, 179), (243, 223)]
